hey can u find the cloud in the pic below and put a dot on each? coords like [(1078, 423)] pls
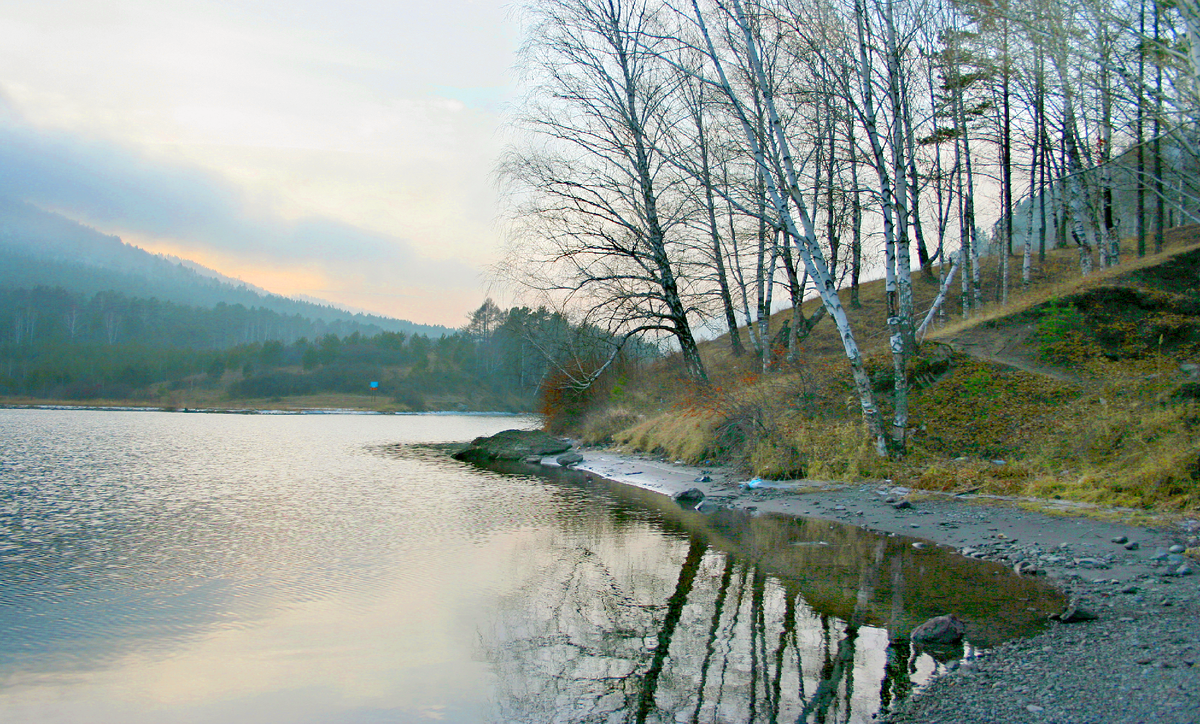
[(199, 213), (341, 148)]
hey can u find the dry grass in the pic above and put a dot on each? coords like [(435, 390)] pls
[(1132, 455), (678, 435), (826, 450), (1127, 444), (599, 427), (24, 401)]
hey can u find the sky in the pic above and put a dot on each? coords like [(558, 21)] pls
[(337, 150)]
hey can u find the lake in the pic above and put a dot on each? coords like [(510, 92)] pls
[(183, 567)]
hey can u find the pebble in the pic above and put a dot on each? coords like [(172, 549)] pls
[(1176, 549), (1132, 545), (902, 505), (1035, 709), (1025, 568), (1119, 540)]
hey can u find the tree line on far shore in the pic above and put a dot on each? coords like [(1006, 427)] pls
[(56, 345)]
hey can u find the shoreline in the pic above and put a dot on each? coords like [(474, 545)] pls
[(1137, 661), (253, 410)]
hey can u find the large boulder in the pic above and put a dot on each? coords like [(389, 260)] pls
[(512, 445), (940, 630)]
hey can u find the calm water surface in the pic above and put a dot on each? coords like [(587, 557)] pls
[(168, 567)]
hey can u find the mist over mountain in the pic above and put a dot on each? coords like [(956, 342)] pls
[(39, 248)]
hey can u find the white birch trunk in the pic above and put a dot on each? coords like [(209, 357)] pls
[(976, 276), (1027, 254), (941, 297), (764, 319)]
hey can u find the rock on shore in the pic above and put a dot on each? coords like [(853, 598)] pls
[(940, 630), (512, 445)]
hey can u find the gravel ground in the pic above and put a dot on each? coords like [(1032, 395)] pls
[(1138, 660), (1136, 663)]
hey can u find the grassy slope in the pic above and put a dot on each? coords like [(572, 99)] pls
[(1075, 385)]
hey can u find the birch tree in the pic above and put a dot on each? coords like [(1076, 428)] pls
[(605, 217)]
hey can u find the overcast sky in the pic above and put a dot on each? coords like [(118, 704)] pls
[(342, 150)]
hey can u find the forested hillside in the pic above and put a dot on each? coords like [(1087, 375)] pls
[(42, 249)]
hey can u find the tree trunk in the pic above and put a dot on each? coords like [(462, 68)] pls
[(1078, 203), (941, 296), (1159, 201), (796, 291), (1112, 236), (718, 254), (1141, 135), (855, 216), (1006, 161), (965, 221)]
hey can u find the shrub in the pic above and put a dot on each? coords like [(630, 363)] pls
[(1061, 333)]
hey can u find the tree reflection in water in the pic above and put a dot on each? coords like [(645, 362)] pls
[(737, 619)]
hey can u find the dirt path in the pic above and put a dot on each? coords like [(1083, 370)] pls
[(1012, 347)]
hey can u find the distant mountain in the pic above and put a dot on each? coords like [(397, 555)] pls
[(41, 248), (232, 281)]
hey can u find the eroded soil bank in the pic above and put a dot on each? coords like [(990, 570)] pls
[(1138, 660)]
